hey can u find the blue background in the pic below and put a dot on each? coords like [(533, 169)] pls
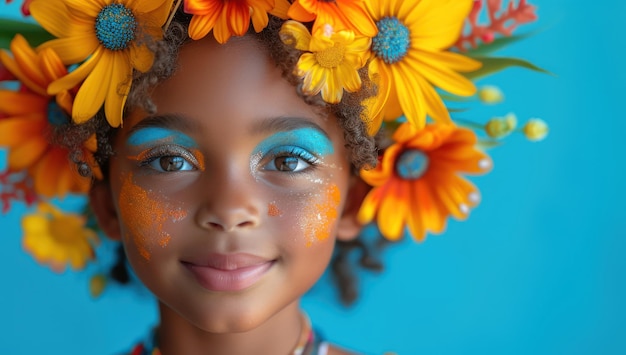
[(538, 268)]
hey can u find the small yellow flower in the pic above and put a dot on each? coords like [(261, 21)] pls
[(535, 129), (331, 60), (490, 95), (57, 239), (499, 127)]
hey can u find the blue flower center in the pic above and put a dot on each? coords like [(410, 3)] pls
[(392, 41), (115, 27), (56, 115), (411, 164)]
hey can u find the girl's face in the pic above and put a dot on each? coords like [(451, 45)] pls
[(228, 199)]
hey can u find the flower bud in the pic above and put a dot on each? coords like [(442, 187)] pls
[(490, 95), (500, 127), (97, 284), (535, 129)]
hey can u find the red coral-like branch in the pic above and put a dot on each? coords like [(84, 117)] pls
[(15, 187), (500, 22), (25, 6)]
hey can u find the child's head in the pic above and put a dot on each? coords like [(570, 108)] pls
[(229, 142), (233, 170)]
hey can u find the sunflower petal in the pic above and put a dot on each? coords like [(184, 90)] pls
[(74, 49), (72, 79), (93, 91), (121, 76)]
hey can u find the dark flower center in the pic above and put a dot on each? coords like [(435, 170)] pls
[(392, 41), (115, 27), (56, 115), (411, 164)]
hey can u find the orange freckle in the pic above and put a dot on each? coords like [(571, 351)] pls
[(273, 210), (145, 216), (320, 216)]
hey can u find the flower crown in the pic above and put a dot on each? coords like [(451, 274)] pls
[(418, 53)]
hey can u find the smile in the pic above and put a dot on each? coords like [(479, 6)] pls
[(235, 272)]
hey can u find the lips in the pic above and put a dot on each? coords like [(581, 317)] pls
[(232, 272)]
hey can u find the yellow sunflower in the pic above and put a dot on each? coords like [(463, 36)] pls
[(331, 61), (57, 239), (410, 56), (228, 18), (108, 38), (340, 14), (27, 116), (416, 184)]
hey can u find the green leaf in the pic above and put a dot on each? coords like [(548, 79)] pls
[(33, 33), (493, 65)]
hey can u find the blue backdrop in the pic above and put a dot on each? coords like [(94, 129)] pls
[(538, 268)]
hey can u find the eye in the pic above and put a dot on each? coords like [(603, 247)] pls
[(169, 158), (171, 163), (290, 159)]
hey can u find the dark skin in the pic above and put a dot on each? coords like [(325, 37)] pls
[(234, 168)]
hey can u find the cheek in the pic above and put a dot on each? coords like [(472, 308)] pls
[(310, 216), (144, 217)]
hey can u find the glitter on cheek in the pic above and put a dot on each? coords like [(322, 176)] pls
[(144, 217), (273, 210), (319, 217)]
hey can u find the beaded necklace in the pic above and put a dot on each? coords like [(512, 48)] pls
[(309, 342)]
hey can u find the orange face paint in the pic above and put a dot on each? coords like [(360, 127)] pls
[(319, 216), (144, 216), (273, 210)]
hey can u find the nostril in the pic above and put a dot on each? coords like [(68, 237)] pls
[(216, 226), (245, 224)]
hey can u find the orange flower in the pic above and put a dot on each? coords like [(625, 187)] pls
[(340, 14), (416, 184), (228, 18), (27, 117)]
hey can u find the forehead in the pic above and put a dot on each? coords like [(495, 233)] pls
[(230, 86)]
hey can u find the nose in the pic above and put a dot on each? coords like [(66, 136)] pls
[(229, 203)]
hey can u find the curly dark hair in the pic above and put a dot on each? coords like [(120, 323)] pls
[(349, 112)]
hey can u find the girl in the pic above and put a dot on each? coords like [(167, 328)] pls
[(230, 159)]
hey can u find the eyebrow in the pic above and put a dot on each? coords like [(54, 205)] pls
[(284, 124)]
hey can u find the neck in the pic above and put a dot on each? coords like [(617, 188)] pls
[(278, 335)]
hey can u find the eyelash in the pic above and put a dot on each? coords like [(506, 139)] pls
[(300, 153), (147, 157)]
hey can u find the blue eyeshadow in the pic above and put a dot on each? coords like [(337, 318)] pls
[(311, 139), (150, 135)]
